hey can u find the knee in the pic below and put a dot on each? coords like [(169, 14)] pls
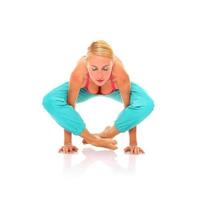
[(146, 105), (48, 101), (149, 105)]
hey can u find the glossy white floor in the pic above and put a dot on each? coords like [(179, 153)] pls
[(31, 167), (159, 45)]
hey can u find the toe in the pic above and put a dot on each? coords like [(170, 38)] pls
[(107, 127), (113, 147), (84, 141)]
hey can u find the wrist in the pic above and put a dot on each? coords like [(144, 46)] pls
[(133, 143), (67, 143)]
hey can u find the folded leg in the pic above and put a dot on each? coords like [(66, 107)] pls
[(55, 102), (141, 105)]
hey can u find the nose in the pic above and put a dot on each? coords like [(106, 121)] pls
[(100, 76)]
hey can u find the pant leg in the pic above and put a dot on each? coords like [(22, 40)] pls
[(141, 105), (55, 102)]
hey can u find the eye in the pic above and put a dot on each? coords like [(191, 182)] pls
[(105, 68), (94, 69)]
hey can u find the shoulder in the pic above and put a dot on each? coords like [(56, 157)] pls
[(119, 70), (117, 65), (80, 69)]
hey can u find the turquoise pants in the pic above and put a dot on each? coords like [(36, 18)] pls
[(55, 103)]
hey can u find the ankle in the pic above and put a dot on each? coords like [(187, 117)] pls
[(112, 132), (88, 136)]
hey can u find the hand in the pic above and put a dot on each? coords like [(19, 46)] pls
[(133, 149), (69, 148)]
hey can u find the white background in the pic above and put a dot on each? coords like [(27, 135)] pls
[(40, 44)]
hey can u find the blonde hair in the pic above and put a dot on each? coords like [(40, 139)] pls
[(100, 48)]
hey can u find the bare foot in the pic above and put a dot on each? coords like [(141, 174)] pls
[(104, 142), (103, 134)]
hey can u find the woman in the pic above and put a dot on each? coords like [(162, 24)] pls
[(100, 72)]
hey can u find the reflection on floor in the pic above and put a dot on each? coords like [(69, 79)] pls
[(105, 157)]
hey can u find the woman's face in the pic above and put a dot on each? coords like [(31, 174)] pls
[(99, 68)]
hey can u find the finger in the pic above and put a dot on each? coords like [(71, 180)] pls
[(132, 151), (126, 149), (61, 149), (142, 151), (71, 149), (139, 150), (66, 150), (135, 150), (75, 148)]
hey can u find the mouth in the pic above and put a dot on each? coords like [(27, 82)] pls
[(100, 81)]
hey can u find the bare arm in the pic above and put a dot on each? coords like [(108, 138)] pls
[(67, 137), (132, 137), (73, 91), (122, 81), (75, 82), (124, 86)]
